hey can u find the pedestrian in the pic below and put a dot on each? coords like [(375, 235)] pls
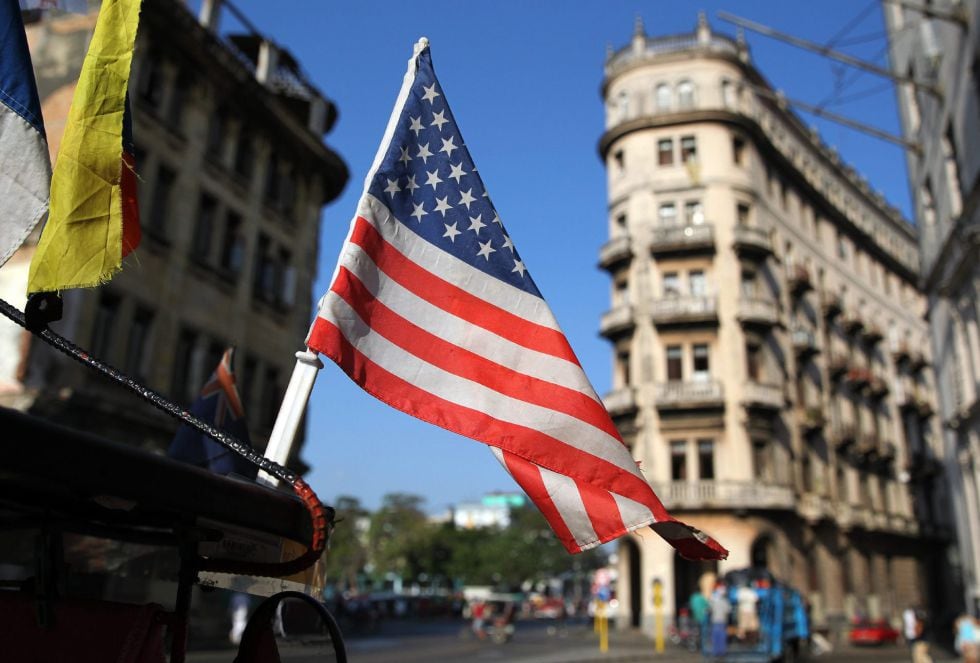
[(699, 612), (478, 613), (965, 642), (721, 608), (920, 645), (747, 617)]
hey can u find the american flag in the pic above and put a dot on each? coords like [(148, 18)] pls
[(432, 310)]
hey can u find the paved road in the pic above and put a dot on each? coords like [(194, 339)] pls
[(533, 642)]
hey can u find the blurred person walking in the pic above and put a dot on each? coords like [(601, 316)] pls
[(967, 637)]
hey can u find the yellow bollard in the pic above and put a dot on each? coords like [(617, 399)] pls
[(603, 627), (658, 616)]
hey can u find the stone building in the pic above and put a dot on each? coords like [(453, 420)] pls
[(771, 370), (940, 50), (233, 176)]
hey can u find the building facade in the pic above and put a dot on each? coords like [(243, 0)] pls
[(771, 371), (938, 47), (233, 176)]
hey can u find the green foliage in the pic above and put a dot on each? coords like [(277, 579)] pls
[(400, 539)]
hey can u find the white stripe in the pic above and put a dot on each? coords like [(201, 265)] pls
[(450, 268), (634, 514), (466, 335), (469, 394), (25, 180), (568, 501)]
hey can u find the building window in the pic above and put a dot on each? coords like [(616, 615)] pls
[(841, 246), (217, 128), (151, 83), (178, 100), (264, 276), (105, 322), (752, 361), (678, 460), (706, 460), (621, 221), (207, 211), (685, 95), (619, 162), (760, 461), (928, 205), (697, 283), (663, 97), (672, 284), (667, 214), (156, 225), (244, 153), (273, 181), (246, 386), (702, 371), (270, 397), (623, 105), (674, 359), (184, 357), (136, 345), (693, 212), (807, 473), (912, 103), (729, 96), (286, 280), (738, 151), (952, 174), (689, 149), (665, 152), (623, 364), (233, 245), (842, 495), (742, 213), (748, 283)]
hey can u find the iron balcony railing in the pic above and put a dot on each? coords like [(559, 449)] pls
[(761, 395), (684, 308), (758, 311), (682, 238)]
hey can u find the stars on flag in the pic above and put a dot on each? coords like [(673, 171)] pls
[(417, 180)]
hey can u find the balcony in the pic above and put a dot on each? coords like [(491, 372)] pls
[(615, 252), (683, 239), (871, 334), (867, 445), (837, 365), (751, 242), (736, 495), (852, 323), (832, 305), (617, 321), (680, 395), (812, 420), (804, 342), (757, 312), (858, 378), (799, 280), (845, 515), (685, 310), (813, 508), (877, 387), (901, 352), (763, 396), (620, 402), (842, 435)]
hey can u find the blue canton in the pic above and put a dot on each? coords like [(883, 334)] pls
[(428, 181)]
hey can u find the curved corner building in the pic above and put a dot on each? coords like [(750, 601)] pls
[(771, 367)]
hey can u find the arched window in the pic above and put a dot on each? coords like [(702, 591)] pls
[(663, 97), (728, 93), (685, 94), (622, 105)]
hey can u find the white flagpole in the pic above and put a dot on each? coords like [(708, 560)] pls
[(283, 435)]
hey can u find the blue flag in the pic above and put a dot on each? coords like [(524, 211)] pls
[(219, 405), (25, 168)]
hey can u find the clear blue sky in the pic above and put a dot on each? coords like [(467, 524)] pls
[(523, 81)]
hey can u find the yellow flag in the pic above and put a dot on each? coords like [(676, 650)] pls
[(93, 220)]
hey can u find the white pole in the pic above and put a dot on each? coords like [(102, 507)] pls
[(283, 435)]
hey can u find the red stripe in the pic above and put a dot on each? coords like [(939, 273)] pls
[(603, 511), (528, 443), (465, 363), (130, 205), (528, 476), (456, 300)]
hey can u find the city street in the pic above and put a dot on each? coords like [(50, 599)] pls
[(533, 642)]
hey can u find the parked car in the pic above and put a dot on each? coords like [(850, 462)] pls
[(873, 632)]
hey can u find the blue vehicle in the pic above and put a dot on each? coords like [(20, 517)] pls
[(779, 629)]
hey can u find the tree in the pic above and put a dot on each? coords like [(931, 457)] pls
[(397, 530), (348, 546)]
